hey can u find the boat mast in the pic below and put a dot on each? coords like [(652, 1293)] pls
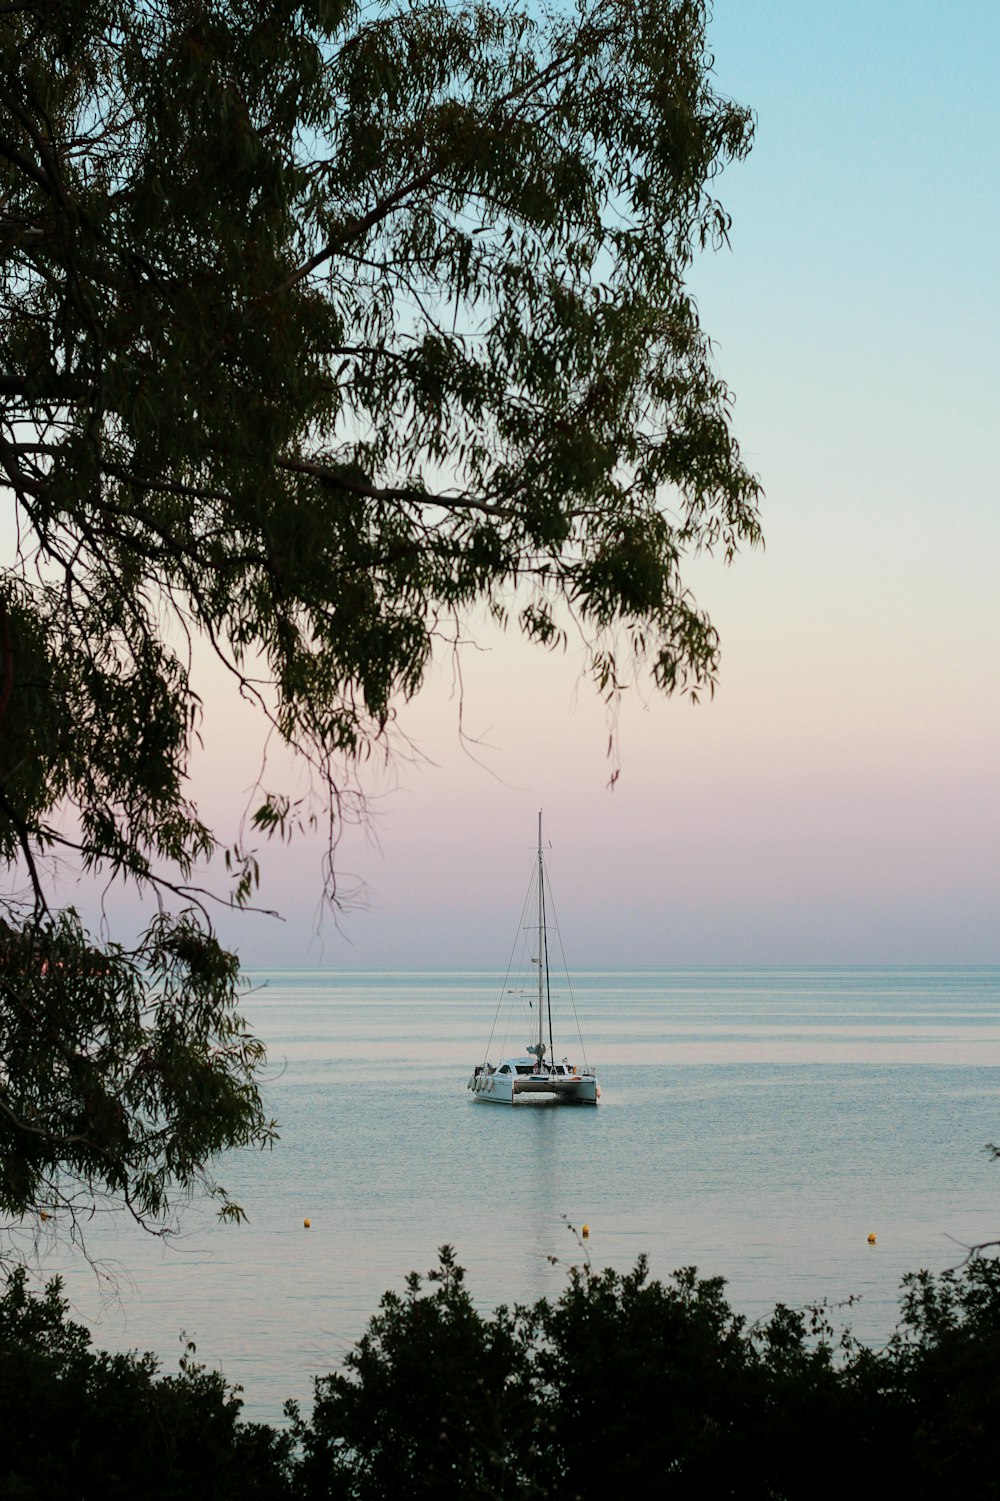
[(544, 986), (541, 938)]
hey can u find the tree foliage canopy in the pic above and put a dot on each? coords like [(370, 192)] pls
[(622, 1380), (627, 1382), (75, 1421), (323, 326)]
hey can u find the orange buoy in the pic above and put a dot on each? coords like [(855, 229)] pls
[(306, 1224)]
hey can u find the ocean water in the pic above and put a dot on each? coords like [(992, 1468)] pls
[(755, 1124)]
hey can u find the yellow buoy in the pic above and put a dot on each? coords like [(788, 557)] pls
[(586, 1231), (306, 1224), (871, 1238)]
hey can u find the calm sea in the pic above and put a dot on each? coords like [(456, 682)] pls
[(755, 1124)]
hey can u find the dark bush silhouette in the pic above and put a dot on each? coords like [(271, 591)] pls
[(75, 1422), (624, 1384)]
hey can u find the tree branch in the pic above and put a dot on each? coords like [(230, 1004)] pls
[(401, 493)]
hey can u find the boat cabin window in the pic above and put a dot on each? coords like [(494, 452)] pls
[(526, 1068), (504, 1069)]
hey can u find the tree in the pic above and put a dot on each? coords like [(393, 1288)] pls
[(322, 327), (622, 1380), (625, 1381), (946, 1379), (435, 1399), (80, 1422)]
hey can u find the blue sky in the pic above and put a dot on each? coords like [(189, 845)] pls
[(837, 802)]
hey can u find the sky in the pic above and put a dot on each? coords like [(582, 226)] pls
[(836, 802)]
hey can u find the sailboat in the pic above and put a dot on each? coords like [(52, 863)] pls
[(537, 1072)]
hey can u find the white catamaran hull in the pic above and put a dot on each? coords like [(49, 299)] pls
[(508, 1089)]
